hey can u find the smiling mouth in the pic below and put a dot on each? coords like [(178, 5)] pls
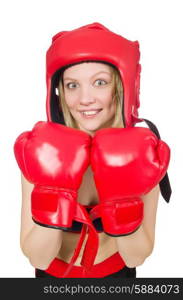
[(90, 114)]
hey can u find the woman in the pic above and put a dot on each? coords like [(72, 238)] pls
[(92, 84)]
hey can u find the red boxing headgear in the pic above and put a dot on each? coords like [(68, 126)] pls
[(94, 42)]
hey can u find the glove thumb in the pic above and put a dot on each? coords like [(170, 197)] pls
[(163, 152)]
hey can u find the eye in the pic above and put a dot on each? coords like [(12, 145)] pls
[(71, 85), (99, 82)]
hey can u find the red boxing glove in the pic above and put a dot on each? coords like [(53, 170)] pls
[(127, 163), (54, 158)]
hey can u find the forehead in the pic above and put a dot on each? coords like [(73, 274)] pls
[(89, 68)]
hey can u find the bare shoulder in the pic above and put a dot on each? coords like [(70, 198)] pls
[(26, 217)]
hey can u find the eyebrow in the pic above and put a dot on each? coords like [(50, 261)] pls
[(108, 73)]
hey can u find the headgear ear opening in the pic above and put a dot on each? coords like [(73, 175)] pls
[(55, 111)]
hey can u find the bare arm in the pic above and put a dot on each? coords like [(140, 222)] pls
[(135, 248), (40, 244)]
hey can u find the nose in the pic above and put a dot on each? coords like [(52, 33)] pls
[(87, 97)]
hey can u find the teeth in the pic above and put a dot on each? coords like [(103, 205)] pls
[(90, 112)]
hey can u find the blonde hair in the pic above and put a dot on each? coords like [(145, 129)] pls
[(117, 96)]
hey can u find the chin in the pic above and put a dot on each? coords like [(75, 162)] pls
[(95, 126), (91, 128)]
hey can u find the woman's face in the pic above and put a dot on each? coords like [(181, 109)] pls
[(88, 91)]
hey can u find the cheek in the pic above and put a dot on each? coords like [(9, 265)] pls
[(70, 100), (106, 97), (108, 102)]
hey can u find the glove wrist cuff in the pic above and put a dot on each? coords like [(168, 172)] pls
[(122, 217), (53, 207)]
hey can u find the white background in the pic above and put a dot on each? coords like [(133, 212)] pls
[(26, 31)]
